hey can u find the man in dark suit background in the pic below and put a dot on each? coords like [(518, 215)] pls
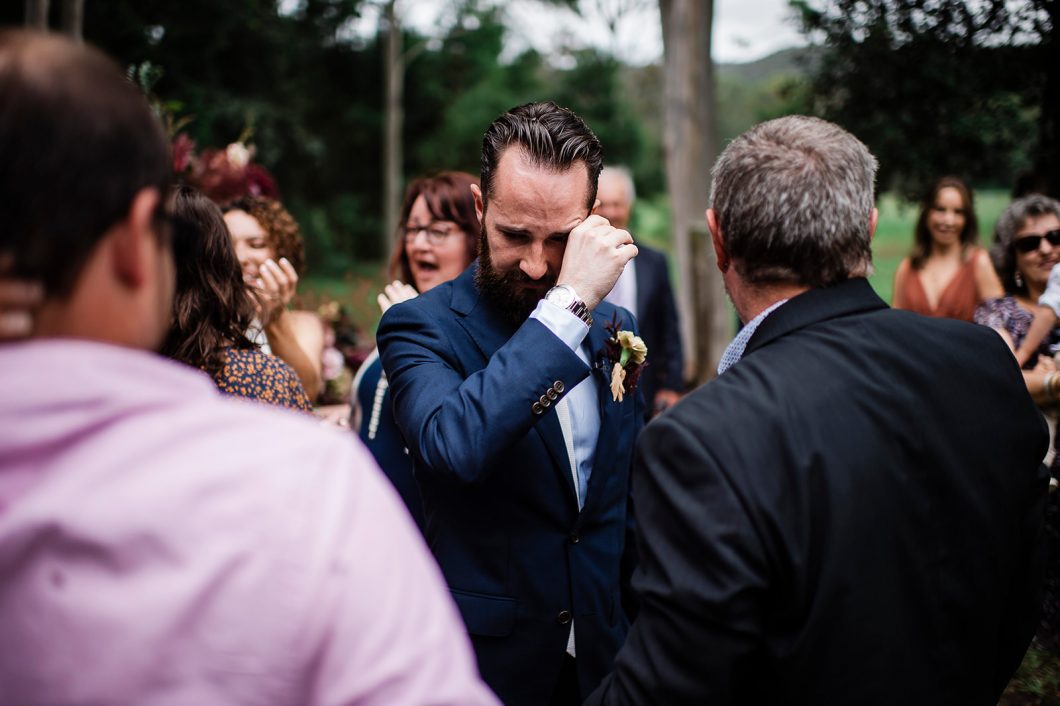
[(851, 512), (502, 391), (644, 289)]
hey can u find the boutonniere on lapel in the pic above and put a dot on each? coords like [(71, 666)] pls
[(625, 354)]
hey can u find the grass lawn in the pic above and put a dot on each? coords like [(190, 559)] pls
[(651, 222)]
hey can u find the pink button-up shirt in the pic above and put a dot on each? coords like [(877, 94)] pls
[(161, 544)]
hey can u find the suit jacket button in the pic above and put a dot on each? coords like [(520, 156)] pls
[(544, 401), (537, 408), (564, 617), (558, 387), (552, 394), (575, 538)]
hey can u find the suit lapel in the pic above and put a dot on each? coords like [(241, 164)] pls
[(610, 411), (490, 330), (486, 326)]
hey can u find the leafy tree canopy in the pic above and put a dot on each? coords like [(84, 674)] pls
[(939, 86)]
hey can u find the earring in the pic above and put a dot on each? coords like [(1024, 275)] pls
[(1018, 278)]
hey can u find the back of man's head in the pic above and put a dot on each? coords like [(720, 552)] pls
[(793, 198), (551, 137), (79, 142)]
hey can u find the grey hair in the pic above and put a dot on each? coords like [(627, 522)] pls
[(1014, 217), (623, 173), (1016, 214), (793, 198)]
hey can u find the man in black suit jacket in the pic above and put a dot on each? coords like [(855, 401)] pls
[(851, 512), (644, 289)]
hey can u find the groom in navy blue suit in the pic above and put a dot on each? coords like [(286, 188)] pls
[(502, 389)]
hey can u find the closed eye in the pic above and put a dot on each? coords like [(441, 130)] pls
[(514, 236)]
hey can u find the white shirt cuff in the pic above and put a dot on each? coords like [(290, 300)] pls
[(562, 322)]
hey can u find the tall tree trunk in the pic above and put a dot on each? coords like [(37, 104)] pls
[(393, 118), (691, 147), (37, 14), (1048, 153), (72, 18)]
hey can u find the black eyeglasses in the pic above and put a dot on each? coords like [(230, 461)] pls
[(436, 235), (1030, 243)]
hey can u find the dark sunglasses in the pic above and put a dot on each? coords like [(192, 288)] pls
[(1030, 243)]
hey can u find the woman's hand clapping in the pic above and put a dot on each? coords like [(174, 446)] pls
[(395, 293)]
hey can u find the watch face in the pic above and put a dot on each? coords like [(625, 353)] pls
[(560, 296)]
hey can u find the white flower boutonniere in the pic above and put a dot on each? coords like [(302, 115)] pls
[(626, 354)]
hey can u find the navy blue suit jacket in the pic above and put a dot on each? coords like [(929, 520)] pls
[(657, 316), (501, 513)]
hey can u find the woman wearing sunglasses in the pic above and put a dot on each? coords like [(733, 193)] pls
[(947, 274), (1028, 245), (1027, 248)]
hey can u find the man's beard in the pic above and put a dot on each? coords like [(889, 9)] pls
[(504, 290)]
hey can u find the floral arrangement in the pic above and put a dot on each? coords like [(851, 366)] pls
[(223, 174), (626, 354)]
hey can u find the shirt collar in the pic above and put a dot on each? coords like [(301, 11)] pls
[(735, 350)]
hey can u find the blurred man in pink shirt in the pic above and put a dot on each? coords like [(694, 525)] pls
[(160, 544)]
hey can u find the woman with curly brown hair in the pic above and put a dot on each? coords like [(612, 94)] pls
[(212, 310), (268, 243)]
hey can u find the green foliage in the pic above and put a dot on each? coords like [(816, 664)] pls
[(932, 88), (312, 95), (1037, 681)]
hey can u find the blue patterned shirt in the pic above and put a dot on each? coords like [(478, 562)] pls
[(735, 350)]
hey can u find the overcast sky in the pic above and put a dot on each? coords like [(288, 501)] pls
[(744, 30)]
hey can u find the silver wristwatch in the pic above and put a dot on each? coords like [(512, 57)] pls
[(563, 295)]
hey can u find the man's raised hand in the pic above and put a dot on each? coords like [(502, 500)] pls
[(595, 256)]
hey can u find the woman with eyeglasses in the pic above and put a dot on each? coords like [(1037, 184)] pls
[(437, 240), (946, 275)]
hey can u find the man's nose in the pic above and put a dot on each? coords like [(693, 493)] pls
[(534, 265)]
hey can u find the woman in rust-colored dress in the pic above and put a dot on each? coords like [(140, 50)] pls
[(947, 274)]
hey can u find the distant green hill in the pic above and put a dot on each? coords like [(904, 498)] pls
[(797, 61)]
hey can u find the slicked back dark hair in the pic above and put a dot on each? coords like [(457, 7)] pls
[(552, 137), (77, 142)]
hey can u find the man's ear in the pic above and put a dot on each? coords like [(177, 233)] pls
[(595, 208), (134, 240), (719, 242), (874, 219), (480, 207)]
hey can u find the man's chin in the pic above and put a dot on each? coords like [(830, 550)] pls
[(516, 300)]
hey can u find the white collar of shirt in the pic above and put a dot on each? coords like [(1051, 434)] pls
[(735, 350)]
